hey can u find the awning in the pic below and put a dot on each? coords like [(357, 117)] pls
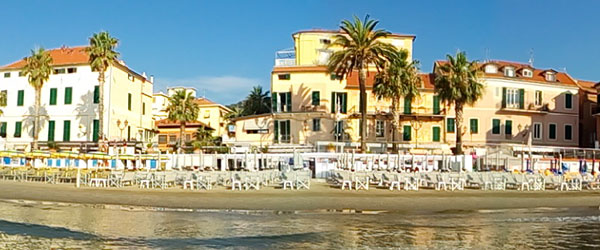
[(251, 124)]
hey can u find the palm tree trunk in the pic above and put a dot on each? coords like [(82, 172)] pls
[(395, 124), (181, 129), (36, 120), (362, 79), (101, 110), (458, 109)]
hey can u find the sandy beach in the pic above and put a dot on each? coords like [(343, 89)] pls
[(320, 196)]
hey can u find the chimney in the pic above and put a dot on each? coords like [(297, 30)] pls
[(151, 78), (144, 74)]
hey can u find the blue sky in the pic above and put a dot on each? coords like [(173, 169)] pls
[(223, 48)]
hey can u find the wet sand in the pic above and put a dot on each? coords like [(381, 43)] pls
[(320, 196)]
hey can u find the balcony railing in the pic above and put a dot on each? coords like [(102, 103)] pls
[(288, 62), (285, 58)]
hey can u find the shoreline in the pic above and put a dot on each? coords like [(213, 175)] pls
[(319, 197)]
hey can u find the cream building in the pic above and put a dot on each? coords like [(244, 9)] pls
[(69, 103)]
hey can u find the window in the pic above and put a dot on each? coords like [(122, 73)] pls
[(59, 71), (284, 76), (68, 95), (53, 96), (537, 131), (380, 128), (316, 124), (538, 98), (20, 97), (316, 98), (436, 134), (508, 127), (568, 101), (207, 114), (3, 129), (282, 131), (406, 136), (335, 77), (568, 132), (450, 124), (474, 125), (96, 94), (552, 131), (325, 41), (324, 56), (6, 74), (51, 128), (551, 77), (71, 70), (491, 69), (96, 130), (18, 129), (129, 101), (172, 139), (188, 137), (407, 106), (130, 77), (509, 71), (128, 133), (281, 102), (257, 131), (527, 73), (143, 108), (162, 139), (436, 105), (339, 102), (513, 98), (339, 130), (3, 98), (66, 130), (21, 74), (495, 126)]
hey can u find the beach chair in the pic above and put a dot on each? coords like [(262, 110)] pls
[(395, 181), (190, 181), (361, 181), (442, 181), (287, 180), (346, 180), (536, 182), (252, 181), (521, 182), (303, 180), (204, 181), (411, 182), (236, 181), (456, 181), (115, 178)]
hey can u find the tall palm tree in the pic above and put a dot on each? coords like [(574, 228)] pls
[(456, 83), (203, 137), (102, 54), (182, 108), (37, 70), (360, 49), (257, 102), (400, 78)]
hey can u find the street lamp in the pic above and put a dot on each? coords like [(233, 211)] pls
[(122, 128)]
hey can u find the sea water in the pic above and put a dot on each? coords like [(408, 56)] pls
[(34, 225)]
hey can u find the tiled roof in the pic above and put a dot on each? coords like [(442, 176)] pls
[(204, 101), (60, 56), (340, 31), (166, 123), (538, 74), (587, 85), (352, 80)]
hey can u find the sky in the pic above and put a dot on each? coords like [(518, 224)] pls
[(224, 48)]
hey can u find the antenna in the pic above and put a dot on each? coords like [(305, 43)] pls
[(487, 54), (531, 57)]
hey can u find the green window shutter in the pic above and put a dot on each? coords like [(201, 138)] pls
[(96, 130), (508, 127), (521, 98), (407, 108), (20, 97), (496, 126), (129, 101), (316, 98), (288, 101), (436, 134), (344, 102), (568, 132), (96, 94), (68, 95), (3, 129), (18, 129), (288, 131), (474, 126), (568, 101), (504, 97), (406, 130), (274, 102), (53, 96), (436, 105), (333, 95), (552, 131), (67, 131), (51, 126), (450, 125), (276, 130)]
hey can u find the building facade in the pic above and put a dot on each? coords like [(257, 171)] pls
[(69, 103)]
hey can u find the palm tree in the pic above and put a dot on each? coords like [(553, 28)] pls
[(182, 108), (456, 84), (102, 54), (359, 51), (257, 102), (400, 78), (37, 70), (203, 137)]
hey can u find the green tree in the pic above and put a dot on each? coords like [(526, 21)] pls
[(360, 50), (182, 108), (203, 137), (37, 70), (400, 78), (456, 83), (102, 54), (257, 102)]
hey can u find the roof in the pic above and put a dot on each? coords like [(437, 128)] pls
[(588, 86), (340, 32), (538, 74), (203, 101), (60, 56), (241, 118), (166, 123), (352, 80)]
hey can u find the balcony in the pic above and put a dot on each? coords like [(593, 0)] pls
[(530, 108), (285, 58)]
